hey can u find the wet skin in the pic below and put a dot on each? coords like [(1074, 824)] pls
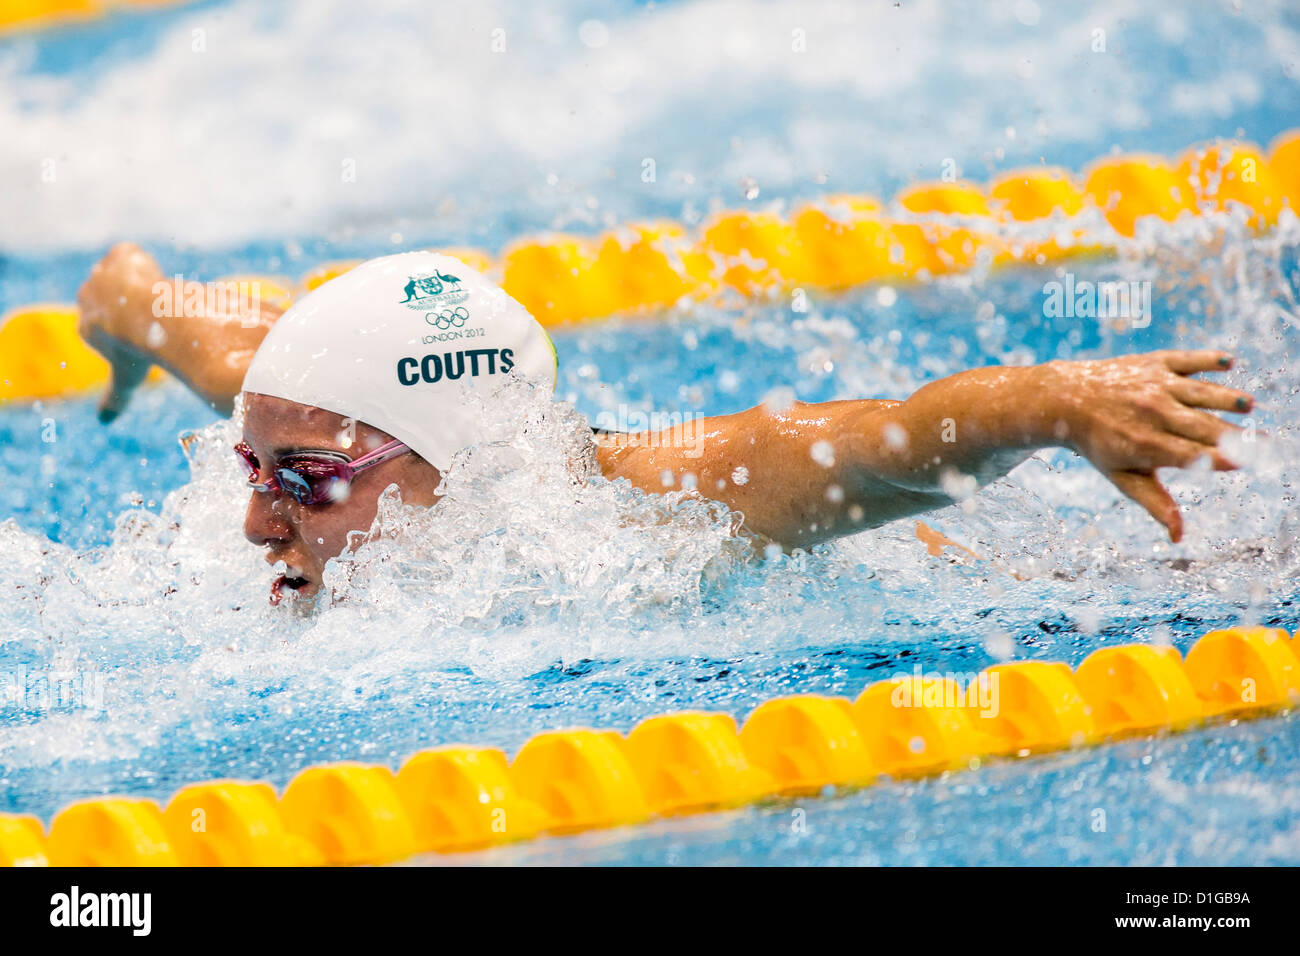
[(1129, 416), (305, 537)]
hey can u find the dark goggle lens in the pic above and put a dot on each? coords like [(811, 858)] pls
[(305, 489)]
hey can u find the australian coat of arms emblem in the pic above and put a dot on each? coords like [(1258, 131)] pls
[(432, 291)]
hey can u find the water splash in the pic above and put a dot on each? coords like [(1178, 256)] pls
[(539, 594)]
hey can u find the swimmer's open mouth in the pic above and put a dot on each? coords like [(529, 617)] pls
[(285, 581)]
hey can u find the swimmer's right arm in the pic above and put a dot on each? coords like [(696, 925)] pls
[(124, 319), (813, 472)]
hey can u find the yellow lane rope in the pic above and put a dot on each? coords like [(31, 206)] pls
[(463, 798), (835, 243)]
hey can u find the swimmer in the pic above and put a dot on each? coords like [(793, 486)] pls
[(353, 389)]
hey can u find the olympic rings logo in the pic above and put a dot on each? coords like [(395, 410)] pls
[(448, 319)]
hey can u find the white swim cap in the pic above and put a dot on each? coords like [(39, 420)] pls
[(398, 343)]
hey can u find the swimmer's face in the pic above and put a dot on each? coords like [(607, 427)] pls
[(305, 537)]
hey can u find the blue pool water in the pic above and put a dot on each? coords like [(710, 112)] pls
[(130, 590)]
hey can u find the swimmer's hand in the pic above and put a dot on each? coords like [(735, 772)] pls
[(203, 343), (116, 304), (1131, 415)]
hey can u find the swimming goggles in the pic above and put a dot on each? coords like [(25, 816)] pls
[(312, 477)]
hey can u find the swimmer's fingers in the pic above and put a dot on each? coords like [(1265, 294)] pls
[(1146, 490), (127, 370), (1169, 436), (120, 389), (1219, 398), (1191, 361), (1200, 427), (1174, 451)]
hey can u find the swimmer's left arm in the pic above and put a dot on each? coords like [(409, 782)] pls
[(813, 472), (206, 343)]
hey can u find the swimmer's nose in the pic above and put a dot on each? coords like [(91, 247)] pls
[(263, 524)]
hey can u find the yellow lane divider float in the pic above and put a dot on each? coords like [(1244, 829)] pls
[(32, 14), (465, 798), (835, 243)]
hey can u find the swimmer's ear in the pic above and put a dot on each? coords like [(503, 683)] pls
[(1146, 490)]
